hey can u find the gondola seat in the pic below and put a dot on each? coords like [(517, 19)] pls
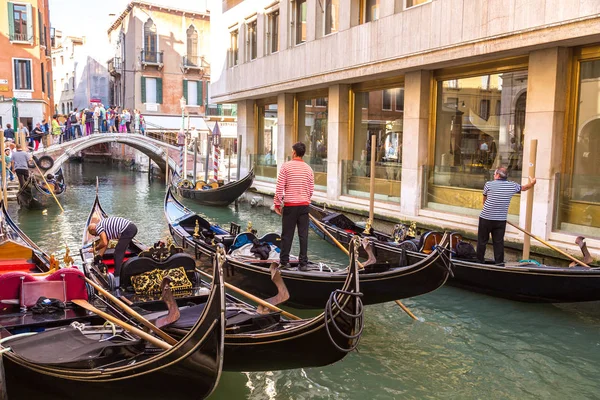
[(341, 221), (139, 265), (17, 265), (241, 240)]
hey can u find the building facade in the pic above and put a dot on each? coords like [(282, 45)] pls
[(451, 89), (80, 75), (25, 67), (160, 55)]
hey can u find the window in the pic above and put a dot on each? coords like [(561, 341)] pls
[(43, 77), (41, 29), (62, 85), (150, 41), (54, 61), (273, 32), (386, 104), (192, 91), (452, 84), (300, 13), (22, 74), (412, 3), (252, 39), (400, 99), (332, 16), (62, 60), (484, 109), (371, 10), (152, 90), (321, 102), (192, 46), (234, 47), (20, 22)]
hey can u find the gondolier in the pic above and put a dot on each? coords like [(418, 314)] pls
[(114, 228), (20, 164), (296, 182), (496, 199)]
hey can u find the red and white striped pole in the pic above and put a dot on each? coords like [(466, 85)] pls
[(216, 162)]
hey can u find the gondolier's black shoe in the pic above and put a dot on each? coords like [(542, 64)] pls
[(284, 266), (303, 267)]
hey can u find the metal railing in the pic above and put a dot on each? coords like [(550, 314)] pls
[(20, 37), (115, 65), (221, 110), (151, 57)]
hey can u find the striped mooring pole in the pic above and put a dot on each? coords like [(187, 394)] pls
[(216, 162)]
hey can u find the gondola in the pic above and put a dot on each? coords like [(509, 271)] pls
[(412, 273), (34, 196), (67, 354), (214, 196), (525, 281), (253, 341)]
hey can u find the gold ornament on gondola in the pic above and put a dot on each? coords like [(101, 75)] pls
[(249, 227), (412, 230), (54, 263), (197, 230), (67, 259), (367, 230)]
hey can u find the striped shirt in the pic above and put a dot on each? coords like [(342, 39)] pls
[(297, 182), (498, 194), (112, 226)]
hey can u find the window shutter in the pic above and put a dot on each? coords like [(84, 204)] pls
[(29, 24), (159, 91), (29, 77), (185, 91), (143, 89), (199, 88), (11, 20), (206, 92)]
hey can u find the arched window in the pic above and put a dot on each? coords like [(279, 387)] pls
[(150, 41), (62, 107), (192, 46)]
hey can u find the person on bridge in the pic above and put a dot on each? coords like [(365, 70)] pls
[(9, 133), (56, 130), (20, 164), (297, 182), (36, 136), (113, 228)]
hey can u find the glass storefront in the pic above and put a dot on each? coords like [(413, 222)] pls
[(480, 124), (579, 198), (312, 131), (266, 157), (379, 113)]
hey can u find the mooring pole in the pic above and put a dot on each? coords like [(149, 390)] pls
[(239, 157), (166, 166), (529, 199)]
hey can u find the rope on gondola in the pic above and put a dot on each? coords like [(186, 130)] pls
[(329, 317), (446, 260)]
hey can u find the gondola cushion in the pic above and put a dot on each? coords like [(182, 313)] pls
[(138, 265), (339, 220)]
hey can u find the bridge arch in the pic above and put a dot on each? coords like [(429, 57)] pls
[(154, 149)]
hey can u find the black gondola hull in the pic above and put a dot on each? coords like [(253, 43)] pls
[(33, 197), (222, 196)]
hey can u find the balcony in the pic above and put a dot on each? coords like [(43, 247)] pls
[(21, 37), (115, 66), (221, 110), (154, 58), (193, 62)]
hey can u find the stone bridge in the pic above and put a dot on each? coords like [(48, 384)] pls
[(153, 148)]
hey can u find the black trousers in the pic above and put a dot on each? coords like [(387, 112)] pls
[(294, 216), (126, 237), (23, 175), (497, 229)]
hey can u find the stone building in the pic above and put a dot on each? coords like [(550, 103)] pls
[(451, 89), (161, 53), (25, 67)]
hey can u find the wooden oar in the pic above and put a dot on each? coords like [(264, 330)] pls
[(345, 250), (162, 334), (129, 328), (49, 188), (549, 245), (257, 300)]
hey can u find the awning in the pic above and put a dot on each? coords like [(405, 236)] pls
[(228, 129), (173, 123)]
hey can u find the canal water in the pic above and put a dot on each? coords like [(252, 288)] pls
[(464, 346)]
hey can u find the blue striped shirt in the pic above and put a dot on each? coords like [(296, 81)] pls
[(498, 192), (112, 226)]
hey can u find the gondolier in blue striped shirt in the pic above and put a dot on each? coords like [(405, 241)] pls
[(496, 199), (114, 228)]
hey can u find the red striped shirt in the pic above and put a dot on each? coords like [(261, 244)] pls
[(296, 182)]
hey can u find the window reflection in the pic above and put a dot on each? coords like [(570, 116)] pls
[(266, 159), (312, 131)]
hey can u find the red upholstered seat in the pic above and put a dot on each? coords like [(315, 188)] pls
[(16, 265), (74, 280), (10, 284)]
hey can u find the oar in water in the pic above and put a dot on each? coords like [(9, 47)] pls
[(257, 300), (129, 328), (345, 250), (49, 188)]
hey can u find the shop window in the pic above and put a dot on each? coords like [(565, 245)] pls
[(372, 118), (579, 199), (332, 16), (266, 158), (273, 32), (470, 142), (400, 99), (312, 131)]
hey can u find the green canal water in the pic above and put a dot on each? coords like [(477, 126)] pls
[(464, 346)]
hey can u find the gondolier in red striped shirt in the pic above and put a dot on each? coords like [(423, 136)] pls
[(114, 228), (295, 186)]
